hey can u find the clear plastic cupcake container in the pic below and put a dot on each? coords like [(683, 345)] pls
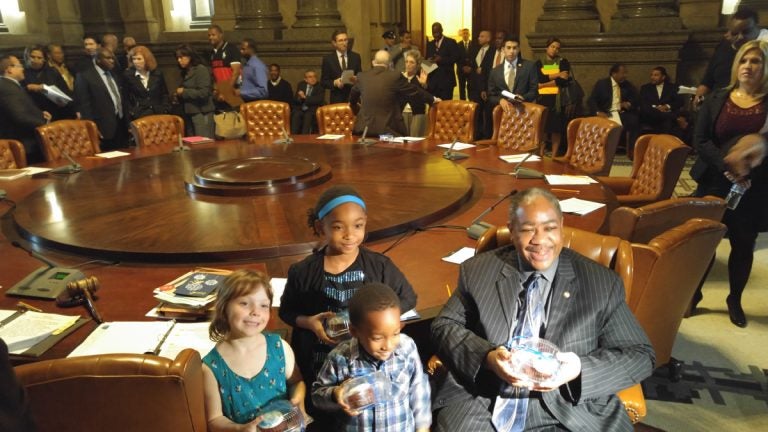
[(337, 326), (534, 358), (281, 416), (367, 390)]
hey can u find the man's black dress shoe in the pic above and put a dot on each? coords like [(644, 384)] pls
[(736, 314)]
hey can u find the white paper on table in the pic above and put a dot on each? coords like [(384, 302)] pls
[(36, 170), (135, 337), (278, 287), (29, 328), (459, 256), (187, 335), (407, 139), (515, 158), (112, 154), (555, 179), (457, 146), (579, 206), (330, 137)]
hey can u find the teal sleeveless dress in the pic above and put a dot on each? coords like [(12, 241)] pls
[(241, 398)]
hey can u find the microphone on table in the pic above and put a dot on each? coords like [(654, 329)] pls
[(181, 146), (478, 227), (73, 166), (522, 172), (285, 139), (452, 155), (364, 140)]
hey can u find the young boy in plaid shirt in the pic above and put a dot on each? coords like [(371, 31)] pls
[(376, 345)]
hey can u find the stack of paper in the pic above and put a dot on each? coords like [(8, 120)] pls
[(517, 158), (189, 296), (459, 256), (23, 330), (579, 206), (457, 146), (569, 179)]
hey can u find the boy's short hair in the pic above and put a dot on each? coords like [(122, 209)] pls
[(371, 297)]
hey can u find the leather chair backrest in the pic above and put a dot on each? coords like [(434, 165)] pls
[(335, 119), (116, 393), (608, 251), (157, 130), (641, 224), (12, 154), (592, 144), (659, 160), (452, 119), (521, 128), (667, 272), (265, 118), (76, 137)]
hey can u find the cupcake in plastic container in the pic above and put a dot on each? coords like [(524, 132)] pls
[(367, 390), (281, 416), (534, 358), (337, 326)]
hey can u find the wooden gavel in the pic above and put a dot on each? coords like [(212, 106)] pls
[(81, 292)]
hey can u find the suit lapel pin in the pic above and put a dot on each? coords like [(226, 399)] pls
[(567, 294)]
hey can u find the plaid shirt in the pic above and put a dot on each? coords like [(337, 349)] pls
[(409, 407)]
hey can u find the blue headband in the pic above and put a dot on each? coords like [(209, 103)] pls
[(339, 200)]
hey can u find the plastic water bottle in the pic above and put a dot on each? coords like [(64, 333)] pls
[(734, 196)]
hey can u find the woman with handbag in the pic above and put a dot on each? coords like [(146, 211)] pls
[(145, 86), (554, 78), (195, 93)]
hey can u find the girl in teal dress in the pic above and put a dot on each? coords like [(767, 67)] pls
[(247, 368)]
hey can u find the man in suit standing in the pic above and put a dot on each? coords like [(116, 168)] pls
[(537, 288), (375, 98), (19, 116), (405, 45), (659, 104), (464, 63), (515, 75), (444, 52), (615, 98), (90, 49), (337, 62), (99, 98), (481, 63), (309, 96)]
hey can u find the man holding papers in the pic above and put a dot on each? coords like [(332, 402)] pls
[(339, 68)]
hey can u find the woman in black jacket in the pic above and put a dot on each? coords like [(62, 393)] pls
[(195, 94), (145, 87)]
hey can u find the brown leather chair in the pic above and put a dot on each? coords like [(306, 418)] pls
[(592, 144), (265, 118), (452, 119), (520, 129), (12, 154), (609, 251), (157, 130), (641, 224), (76, 137), (116, 393), (667, 272), (335, 119), (659, 160)]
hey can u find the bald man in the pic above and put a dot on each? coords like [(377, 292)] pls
[(375, 98)]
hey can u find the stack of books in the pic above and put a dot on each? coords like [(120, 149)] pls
[(190, 296)]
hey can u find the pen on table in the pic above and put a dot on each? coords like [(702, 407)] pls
[(448, 288), (573, 191), (22, 305)]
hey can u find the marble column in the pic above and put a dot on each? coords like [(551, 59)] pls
[(64, 22), (258, 15), (318, 13), (101, 16), (140, 20), (568, 16), (650, 16)]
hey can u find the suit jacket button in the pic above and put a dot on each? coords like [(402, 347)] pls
[(441, 402)]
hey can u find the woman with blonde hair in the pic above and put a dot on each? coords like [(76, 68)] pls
[(737, 110), (414, 109), (145, 88)]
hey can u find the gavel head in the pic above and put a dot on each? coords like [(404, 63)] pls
[(88, 285)]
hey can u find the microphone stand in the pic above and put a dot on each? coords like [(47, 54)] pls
[(478, 227), (73, 166), (181, 146), (285, 139), (451, 155)]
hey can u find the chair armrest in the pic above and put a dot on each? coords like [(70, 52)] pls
[(619, 185), (488, 142), (563, 159), (634, 403), (636, 200)]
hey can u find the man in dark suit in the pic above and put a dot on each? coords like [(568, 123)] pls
[(309, 96), (337, 62), (464, 63), (536, 287), (99, 98), (615, 98), (15, 410), (522, 73), (90, 48), (19, 116), (660, 104), (481, 63), (444, 52), (375, 98)]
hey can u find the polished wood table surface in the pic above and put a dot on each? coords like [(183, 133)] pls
[(139, 214)]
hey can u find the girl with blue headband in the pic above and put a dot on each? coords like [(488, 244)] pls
[(321, 285)]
